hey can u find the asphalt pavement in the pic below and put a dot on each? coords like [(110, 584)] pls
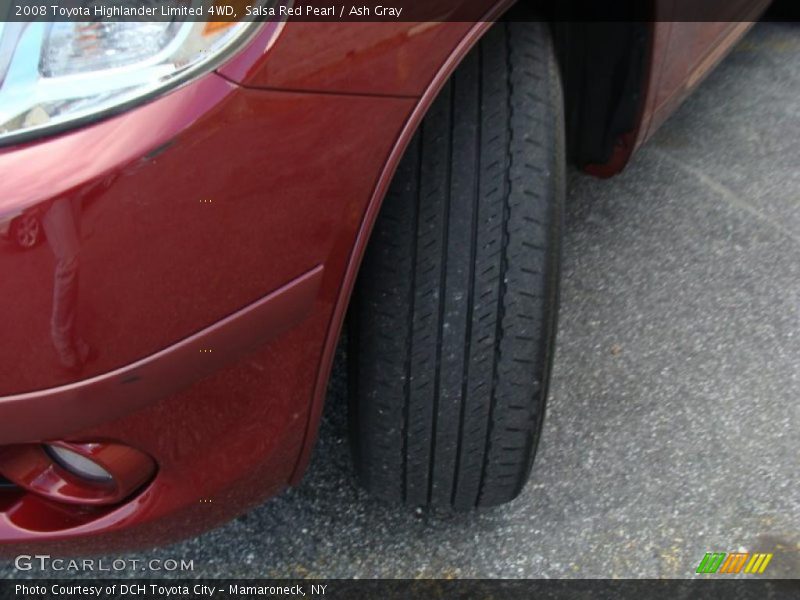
[(674, 421)]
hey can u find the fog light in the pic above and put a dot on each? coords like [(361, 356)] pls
[(79, 465), (90, 474)]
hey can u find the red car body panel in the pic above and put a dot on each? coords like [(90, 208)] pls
[(345, 57), (222, 229), (683, 53), (158, 264)]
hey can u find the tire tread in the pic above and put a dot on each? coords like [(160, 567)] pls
[(457, 295)]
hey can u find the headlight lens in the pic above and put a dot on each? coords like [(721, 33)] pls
[(71, 48), (56, 74)]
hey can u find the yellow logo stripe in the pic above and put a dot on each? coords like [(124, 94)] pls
[(764, 564), (758, 563)]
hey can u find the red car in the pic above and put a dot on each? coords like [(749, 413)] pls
[(215, 198)]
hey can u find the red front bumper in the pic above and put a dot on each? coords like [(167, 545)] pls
[(214, 227)]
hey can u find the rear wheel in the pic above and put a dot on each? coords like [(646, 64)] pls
[(455, 309)]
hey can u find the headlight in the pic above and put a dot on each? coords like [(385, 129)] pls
[(53, 75)]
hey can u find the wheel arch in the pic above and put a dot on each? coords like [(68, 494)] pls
[(368, 220)]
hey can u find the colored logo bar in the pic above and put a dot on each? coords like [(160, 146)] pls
[(722, 563)]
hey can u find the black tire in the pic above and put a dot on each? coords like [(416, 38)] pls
[(454, 318)]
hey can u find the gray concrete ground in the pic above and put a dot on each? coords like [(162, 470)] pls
[(674, 423)]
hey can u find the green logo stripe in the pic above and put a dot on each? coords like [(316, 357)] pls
[(711, 562)]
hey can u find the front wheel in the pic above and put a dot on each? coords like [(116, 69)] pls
[(454, 319)]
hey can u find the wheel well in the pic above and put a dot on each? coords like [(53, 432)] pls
[(605, 66)]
